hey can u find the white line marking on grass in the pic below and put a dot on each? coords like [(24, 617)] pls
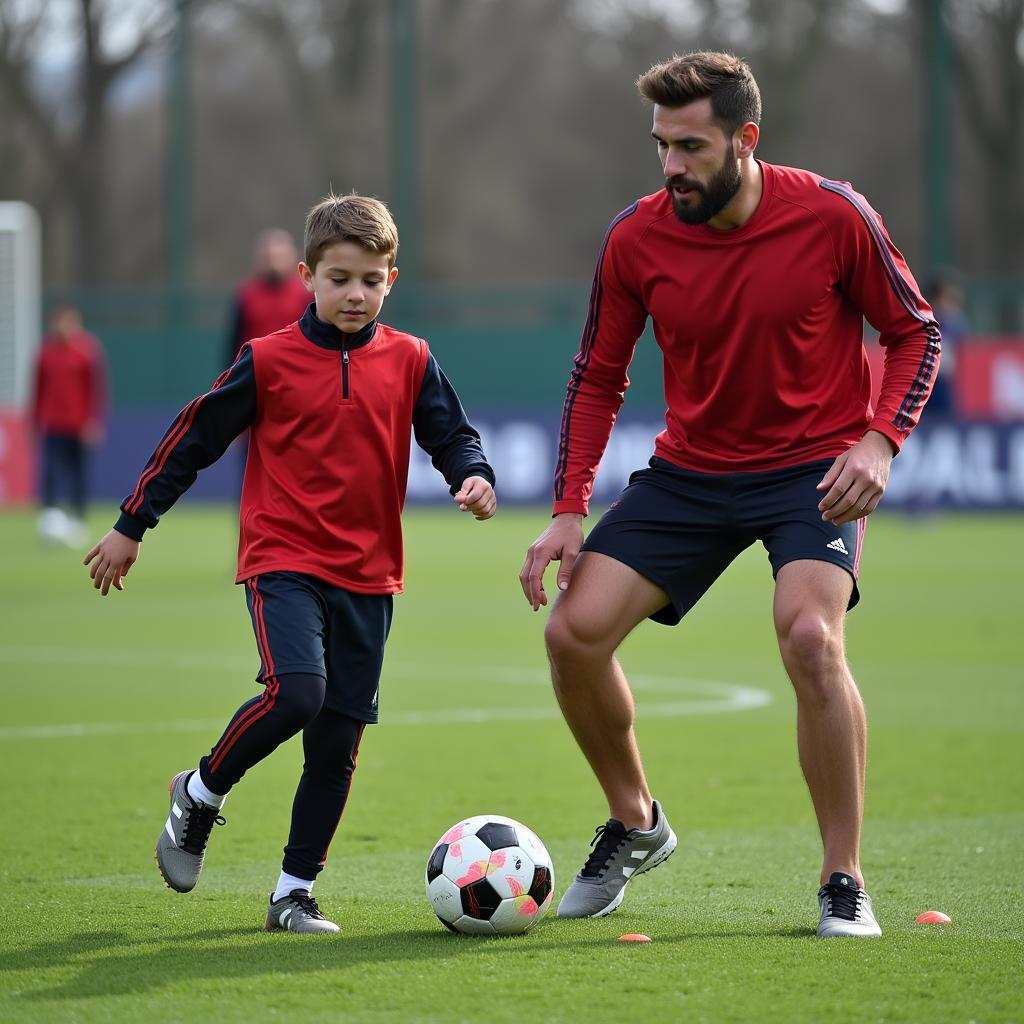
[(152, 660), (711, 697)]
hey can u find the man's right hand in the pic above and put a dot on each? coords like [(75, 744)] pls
[(114, 555), (560, 542)]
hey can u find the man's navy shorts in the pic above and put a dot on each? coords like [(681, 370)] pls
[(680, 529), (305, 625)]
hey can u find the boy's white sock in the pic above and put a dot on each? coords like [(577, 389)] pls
[(287, 882), (198, 791)]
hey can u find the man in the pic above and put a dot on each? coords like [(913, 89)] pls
[(757, 279), (272, 297)]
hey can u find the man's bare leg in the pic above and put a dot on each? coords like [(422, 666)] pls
[(604, 603), (810, 607)]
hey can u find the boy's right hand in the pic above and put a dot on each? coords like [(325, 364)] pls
[(114, 555)]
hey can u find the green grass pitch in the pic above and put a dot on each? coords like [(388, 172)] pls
[(103, 700)]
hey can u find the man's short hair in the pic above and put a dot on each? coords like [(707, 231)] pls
[(726, 79), (360, 219)]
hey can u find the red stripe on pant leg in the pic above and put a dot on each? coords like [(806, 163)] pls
[(254, 714), (262, 637), (355, 755), (242, 721), (256, 628), (862, 528)]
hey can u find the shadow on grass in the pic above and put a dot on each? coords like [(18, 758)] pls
[(113, 963)]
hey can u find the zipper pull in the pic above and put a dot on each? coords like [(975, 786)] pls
[(344, 356)]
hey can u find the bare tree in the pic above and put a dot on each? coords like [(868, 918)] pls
[(989, 69), (68, 135), (326, 54)]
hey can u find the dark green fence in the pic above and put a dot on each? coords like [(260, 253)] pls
[(504, 348)]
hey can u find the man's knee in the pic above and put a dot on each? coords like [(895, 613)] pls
[(570, 638), (812, 651)]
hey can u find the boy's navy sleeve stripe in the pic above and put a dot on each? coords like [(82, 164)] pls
[(582, 359), (239, 371), (910, 301)]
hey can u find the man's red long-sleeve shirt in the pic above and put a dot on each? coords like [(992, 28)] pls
[(761, 330), (70, 385)]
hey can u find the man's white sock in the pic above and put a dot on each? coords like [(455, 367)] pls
[(198, 791), (287, 882)]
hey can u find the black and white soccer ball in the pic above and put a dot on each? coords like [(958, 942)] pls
[(489, 875)]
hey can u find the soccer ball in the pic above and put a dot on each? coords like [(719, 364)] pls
[(489, 875)]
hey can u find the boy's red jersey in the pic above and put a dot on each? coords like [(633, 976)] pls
[(761, 330), (331, 419), (328, 459)]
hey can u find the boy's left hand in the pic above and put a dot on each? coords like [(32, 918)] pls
[(477, 496)]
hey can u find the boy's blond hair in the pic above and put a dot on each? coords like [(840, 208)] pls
[(360, 219)]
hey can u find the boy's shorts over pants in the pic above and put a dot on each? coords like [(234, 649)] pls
[(305, 625), (681, 529)]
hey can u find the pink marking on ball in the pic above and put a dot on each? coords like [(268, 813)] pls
[(527, 906), (515, 886), (498, 859), (454, 834), (475, 872)]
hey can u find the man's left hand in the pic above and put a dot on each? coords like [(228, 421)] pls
[(856, 481)]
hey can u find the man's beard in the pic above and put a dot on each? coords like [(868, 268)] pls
[(713, 197)]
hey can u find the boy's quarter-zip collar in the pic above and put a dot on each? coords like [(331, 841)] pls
[(326, 335), (344, 369)]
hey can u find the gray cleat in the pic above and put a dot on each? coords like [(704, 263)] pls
[(846, 910), (297, 912), (181, 846), (618, 855)]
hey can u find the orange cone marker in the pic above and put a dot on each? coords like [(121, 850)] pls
[(933, 917), (634, 937)]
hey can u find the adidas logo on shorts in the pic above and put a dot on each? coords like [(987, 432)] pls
[(838, 545)]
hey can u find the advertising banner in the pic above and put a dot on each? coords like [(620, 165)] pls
[(974, 465), (17, 459), (987, 375)]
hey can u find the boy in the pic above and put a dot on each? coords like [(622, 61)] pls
[(330, 403)]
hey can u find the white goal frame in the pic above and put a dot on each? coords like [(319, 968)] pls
[(20, 301)]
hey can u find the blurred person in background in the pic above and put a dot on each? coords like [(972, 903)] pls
[(945, 294), (69, 410), (757, 278), (272, 297)]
